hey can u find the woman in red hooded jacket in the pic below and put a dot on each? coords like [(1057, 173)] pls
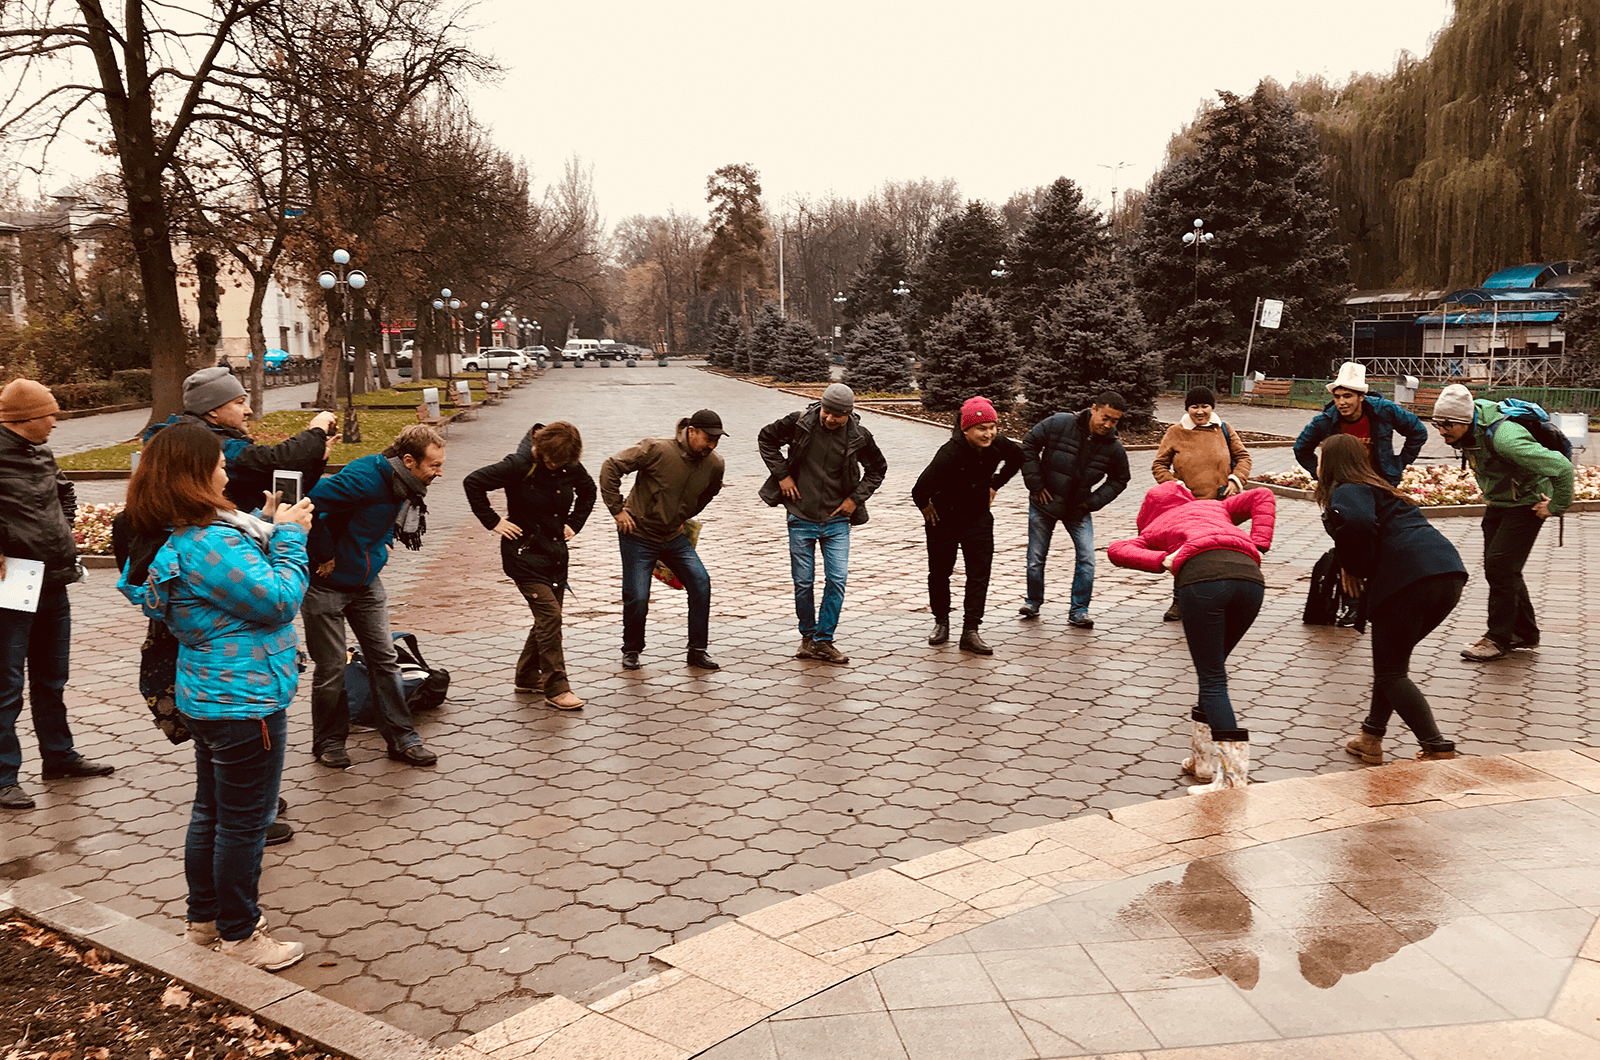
[(1217, 567)]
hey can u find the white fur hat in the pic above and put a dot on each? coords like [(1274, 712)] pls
[(1352, 376)]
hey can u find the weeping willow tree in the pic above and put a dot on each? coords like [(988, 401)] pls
[(1473, 158)]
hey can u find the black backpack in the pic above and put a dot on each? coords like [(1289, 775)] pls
[(1536, 421), (425, 687), (1327, 599)]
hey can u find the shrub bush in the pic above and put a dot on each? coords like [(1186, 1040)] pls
[(135, 383), (93, 395)]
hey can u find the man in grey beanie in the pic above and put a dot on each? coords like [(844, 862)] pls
[(215, 399), (1523, 484), (824, 465)]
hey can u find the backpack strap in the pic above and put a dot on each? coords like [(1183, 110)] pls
[(1227, 440), (410, 641)]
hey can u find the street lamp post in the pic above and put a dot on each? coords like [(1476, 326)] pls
[(344, 282), (454, 304), (1198, 238), (838, 300), (902, 292)]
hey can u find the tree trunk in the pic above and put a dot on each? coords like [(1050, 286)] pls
[(158, 273), (425, 350), (328, 385), (383, 348), (257, 382)]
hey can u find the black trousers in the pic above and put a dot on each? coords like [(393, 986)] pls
[(1398, 626), (1508, 537), (975, 540)]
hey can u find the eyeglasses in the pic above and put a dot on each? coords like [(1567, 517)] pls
[(1442, 424)]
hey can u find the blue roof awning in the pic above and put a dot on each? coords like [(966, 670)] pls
[(1480, 318)]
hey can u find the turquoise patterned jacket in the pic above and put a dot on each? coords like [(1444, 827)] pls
[(231, 603)]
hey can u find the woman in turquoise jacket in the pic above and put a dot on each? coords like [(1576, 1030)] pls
[(228, 585)]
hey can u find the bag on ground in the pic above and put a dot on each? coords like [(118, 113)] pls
[(425, 688)]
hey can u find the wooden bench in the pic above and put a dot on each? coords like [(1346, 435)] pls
[(1271, 389), (1426, 398)]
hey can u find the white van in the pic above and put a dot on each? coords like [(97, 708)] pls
[(580, 349)]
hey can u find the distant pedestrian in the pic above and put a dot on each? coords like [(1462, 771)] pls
[(955, 493), (375, 501), (228, 585), (1408, 577), (1370, 418), (1203, 454), (674, 479), (1074, 465), (37, 506), (215, 399), (1523, 484), (549, 496), (1217, 567), (823, 466)]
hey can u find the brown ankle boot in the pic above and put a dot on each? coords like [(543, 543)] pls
[(1367, 747)]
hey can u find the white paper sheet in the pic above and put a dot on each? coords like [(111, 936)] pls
[(20, 589)]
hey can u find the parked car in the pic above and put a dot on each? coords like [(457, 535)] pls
[(580, 349), (537, 353), (495, 358)]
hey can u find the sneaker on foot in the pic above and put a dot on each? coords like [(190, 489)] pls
[(1081, 622), (1485, 650), (807, 650), (12, 797), (334, 758), (565, 701), (204, 932), (278, 832), (1173, 613), (413, 755), (824, 651), (263, 951), (1027, 611), (630, 660)]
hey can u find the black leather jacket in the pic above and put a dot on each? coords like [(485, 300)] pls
[(37, 506)]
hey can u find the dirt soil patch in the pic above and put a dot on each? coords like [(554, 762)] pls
[(62, 1000)]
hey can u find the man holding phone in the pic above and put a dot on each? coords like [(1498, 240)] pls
[(216, 399)]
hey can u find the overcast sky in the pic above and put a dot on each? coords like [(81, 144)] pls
[(841, 95)]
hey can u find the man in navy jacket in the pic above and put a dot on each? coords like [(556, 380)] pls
[(1371, 418), (1074, 465), (359, 514)]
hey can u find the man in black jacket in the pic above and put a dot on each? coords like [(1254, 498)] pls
[(1074, 465), (824, 465), (37, 506), (549, 496), (214, 398)]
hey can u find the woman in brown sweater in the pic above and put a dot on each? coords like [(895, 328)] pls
[(1203, 454)]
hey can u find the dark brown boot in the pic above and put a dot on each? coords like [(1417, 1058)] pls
[(970, 641)]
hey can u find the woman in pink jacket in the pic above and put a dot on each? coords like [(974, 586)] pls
[(1217, 567)]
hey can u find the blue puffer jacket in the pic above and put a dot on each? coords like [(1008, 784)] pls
[(1084, 472), (1386, 417), (231, 603), (354, 527)]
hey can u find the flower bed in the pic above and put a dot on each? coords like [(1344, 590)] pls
[(92, 528), (1437, 485)]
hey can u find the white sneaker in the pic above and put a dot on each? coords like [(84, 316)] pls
[(204, 932), (263, 951)]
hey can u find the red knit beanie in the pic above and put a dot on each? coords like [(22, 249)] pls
[(977, 410)]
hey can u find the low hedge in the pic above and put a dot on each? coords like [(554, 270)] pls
[(93, 395), (135, 382)]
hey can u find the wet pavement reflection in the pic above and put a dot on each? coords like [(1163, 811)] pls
[(1459, 917)]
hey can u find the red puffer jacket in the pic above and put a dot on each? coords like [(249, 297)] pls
[(1171, 520)]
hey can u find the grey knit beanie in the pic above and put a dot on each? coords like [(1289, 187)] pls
[(210, 388), (1454, 404), (838, 398)]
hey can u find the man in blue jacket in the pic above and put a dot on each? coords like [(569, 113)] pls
[(1074, 465), (359, 513), (1370, 418)]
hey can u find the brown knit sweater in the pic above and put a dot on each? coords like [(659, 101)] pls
[(1199, 457)]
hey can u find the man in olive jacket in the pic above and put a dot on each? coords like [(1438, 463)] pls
[(37, 506), (824, 465), (674, 479), (1074, 465)]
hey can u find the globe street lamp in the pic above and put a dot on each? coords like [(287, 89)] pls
[(344, 282), (1197, 239), (838, 300), (454, 304), (1000, 271)]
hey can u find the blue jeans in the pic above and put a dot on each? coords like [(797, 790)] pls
[(39, 642), (638, 560), (1041, 528), (325, 612), (238, 764), (804, 537), (1215, 616)]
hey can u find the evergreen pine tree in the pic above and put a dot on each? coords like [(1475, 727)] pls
[(877, 357), (1059, 237), (727, 338), (962, 257), (1255, 177), (1093, 340), (970, 350), (763, 341), (872, 288), (799, 358)]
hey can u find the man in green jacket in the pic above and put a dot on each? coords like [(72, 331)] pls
[(1523, 484)]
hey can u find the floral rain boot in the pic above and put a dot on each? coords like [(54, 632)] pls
[(1231, 765), (1201, 751)]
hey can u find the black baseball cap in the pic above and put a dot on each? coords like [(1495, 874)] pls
[(707, 421)]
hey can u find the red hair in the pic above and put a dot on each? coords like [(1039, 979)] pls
[(175, 482)]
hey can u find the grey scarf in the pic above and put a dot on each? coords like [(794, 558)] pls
[(411, 522)]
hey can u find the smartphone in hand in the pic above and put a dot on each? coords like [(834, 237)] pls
[(286, 484)]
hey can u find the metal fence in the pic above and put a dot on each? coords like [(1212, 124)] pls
[(1313, 394)]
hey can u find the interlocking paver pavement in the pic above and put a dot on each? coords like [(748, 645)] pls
[(553, 852)]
